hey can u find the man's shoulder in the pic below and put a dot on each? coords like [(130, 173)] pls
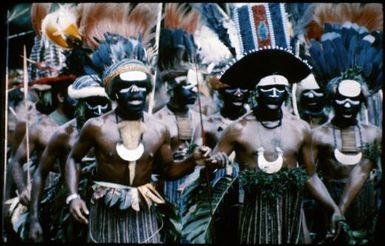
[(371, 130)]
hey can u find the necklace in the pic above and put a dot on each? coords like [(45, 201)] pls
[(130, 155), (347, 159), (270, 166)]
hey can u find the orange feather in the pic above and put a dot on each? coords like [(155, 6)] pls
[(38, 12)]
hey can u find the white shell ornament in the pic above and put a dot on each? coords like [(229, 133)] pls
[(269, 166), (347, 159), (129, 154)]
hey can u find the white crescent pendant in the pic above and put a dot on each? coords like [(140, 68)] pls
[(347, 159), (269, 166), (129, 154)]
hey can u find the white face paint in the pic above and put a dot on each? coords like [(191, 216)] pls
[(133, 76), (309, 83), (349, 88), (132, 88), (273, 80)]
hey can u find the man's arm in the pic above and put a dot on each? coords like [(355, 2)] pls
[(314, 183), (53, 151), (175, 169), (72, 167), (357, 179), (17, 165)]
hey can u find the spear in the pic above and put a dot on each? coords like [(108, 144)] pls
[(157, 37), (204, 143), (6, 123), (25, 80)]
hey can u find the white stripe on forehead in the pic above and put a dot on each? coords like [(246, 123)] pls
[(273, 80), (349, 88), (133, 76)]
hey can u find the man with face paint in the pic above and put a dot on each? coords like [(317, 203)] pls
[(233, 107), (311, 100), (181, 122), (338, 148), (273, 150), (92, 101), (41, 131), (128, 144)]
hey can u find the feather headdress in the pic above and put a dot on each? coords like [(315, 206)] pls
[(38, 12), (61, 25), (217, 32), (262, 24), (347, 51), (176, 45), (46, 59), (121, 35), (369, 15)]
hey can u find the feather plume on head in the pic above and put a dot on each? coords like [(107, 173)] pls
[(348, 51), (121, 36), (38, 12), (369, 15), (177, 47), (61, 25)]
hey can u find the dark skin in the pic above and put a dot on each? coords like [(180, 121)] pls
[(39, 135), (102, 134), (182, 97), (233, 108), (312, 102), (323, 151), (57, 149), (247, 135)]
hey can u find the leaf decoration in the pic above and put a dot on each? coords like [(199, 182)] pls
[(273, 185), (196, 214)]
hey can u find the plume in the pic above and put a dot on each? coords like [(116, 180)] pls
[(60, 25), (178, 16), (38, 12), (177, 46), (344, 48), (118, 18), (117, 31), (367, 15)]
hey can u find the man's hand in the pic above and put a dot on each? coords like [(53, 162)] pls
[(218, 160), (35, 232), (335, 226), (200, 154), (25, 196), (79, 210)]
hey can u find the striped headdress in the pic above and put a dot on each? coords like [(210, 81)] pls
[(262, 24)]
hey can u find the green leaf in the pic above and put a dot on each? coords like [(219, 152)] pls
[(197, 217)]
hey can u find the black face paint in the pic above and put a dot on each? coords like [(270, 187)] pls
[(234, 97), (131, 101), (185, 93), (96, 106), (346, 108), (271, 96), (69, 105), (312, 100), (45, 103)]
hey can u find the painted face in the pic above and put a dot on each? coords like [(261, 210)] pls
[(235, 97), (132, 98), (312, 100), (347, 102), (271, 96), (185, 91), (45, 103), (69, 106), (96, 106)]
